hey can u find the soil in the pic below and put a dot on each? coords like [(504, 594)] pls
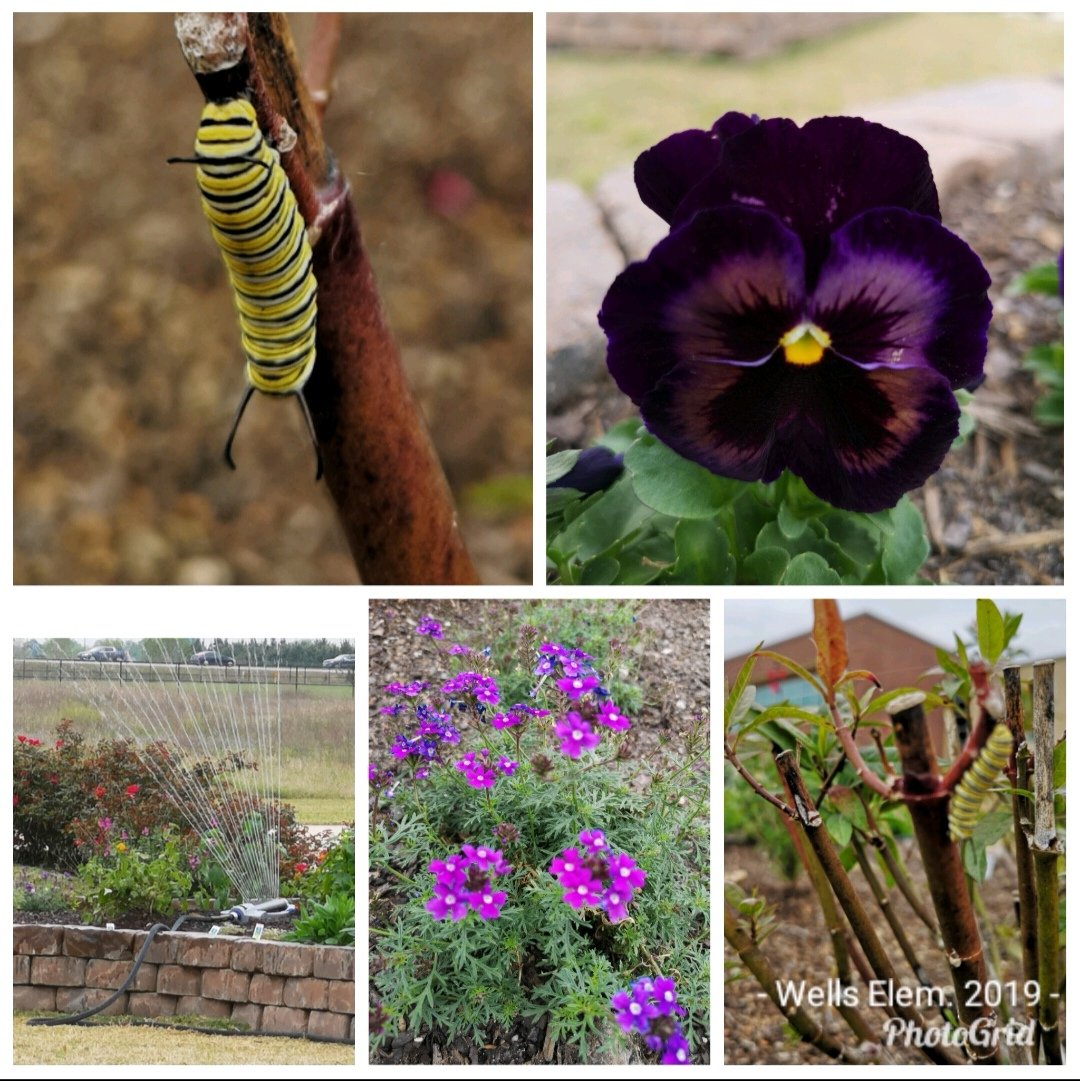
[(798, 948), (995, 509), (127, 358), (676, 695)]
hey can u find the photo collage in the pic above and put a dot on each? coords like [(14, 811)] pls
[(760, 320)]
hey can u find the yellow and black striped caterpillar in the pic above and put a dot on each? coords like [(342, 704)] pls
[(257, 225), (968, 795)]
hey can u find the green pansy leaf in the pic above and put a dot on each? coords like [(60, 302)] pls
[(613, 517), (558, 465), (600, 571), (764, 566), (620, 438), (809, 569), (702, 554), (905, 545), (674, 486)]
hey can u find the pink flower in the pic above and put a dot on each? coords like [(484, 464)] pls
[(576, 734)]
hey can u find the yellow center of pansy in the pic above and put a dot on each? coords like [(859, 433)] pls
[(805, 344)]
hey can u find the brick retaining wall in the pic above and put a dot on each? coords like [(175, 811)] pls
[(272, 987)]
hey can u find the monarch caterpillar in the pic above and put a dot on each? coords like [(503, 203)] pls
[(968, 795), (256, 223)]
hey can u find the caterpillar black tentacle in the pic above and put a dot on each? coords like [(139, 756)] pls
[(256, 223), (967, 797)]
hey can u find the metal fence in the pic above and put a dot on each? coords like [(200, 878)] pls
[(144, 672)]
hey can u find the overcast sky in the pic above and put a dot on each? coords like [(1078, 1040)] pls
[(1041, 634)]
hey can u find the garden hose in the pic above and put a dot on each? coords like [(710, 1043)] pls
[(76, 1018), (240, 914)]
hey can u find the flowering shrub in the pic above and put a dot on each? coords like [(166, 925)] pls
[(807, 323), (523, 913), (327, 889), (75, 802)]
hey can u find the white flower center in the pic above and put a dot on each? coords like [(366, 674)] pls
[(635, 1008), (578, 734), (487, 898), (482, 853), (680, 1055), (624, 871), (450, 899), (668, 996), (583, 890)]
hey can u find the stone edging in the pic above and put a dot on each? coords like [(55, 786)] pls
[(283, 988)]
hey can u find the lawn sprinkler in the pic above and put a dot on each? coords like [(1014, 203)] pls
[(259, 911)]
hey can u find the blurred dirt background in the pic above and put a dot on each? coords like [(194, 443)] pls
[(127, 352)]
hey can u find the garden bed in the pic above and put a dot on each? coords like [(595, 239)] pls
[(654, 654)]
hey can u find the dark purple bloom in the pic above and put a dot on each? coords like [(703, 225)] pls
[(467, 879), (595, 469), (430, 627), (576, 734), (807, 310), (504, 720)]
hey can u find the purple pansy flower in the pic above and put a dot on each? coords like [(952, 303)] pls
[(596, 468), (806, 311)]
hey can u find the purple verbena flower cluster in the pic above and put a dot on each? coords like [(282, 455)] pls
[(572, 661), (422, 748), (479, 770), (410, 690), (649, 1008), (516, 715), (483, 688), (429, 626), (465, 881), (382, 779), (597, 878)]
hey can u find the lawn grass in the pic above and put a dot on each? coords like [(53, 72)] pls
[(141, 1045), (604, 109), (322, 812), (316, 733)]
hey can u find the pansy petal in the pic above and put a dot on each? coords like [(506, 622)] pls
[(869, 436), (818, 176), (667, 171), (722, 416), (859, 438), (725, 287), (900, 289)]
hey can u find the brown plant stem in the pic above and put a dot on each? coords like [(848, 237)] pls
[(888, 910), (860, 922), (899, 873), (1017, 772), (928, 802), (1045, 851), (809, 1030), (834, 923), (381, 469)]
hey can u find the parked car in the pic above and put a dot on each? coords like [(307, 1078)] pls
[(342, 660), (104, 653), (212, 656)]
